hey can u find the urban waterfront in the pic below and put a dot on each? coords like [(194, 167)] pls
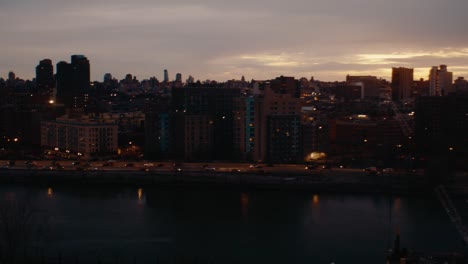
[(234, 226)]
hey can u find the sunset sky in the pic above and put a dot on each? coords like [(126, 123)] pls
[(222, 40)]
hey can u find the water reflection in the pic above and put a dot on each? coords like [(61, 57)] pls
[(140, 193), (312, 227), (244, 205), (397, 206), (140, 196), (315, 200)]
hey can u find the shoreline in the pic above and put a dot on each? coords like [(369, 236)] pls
[(329, 182)]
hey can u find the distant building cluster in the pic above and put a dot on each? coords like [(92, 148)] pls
[(365, 119)]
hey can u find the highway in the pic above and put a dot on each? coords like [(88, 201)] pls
[(342, 175), (164, 166), (206, 174)]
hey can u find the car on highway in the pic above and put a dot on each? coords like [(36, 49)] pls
[(371, 171), (388, 170), (311, 167)]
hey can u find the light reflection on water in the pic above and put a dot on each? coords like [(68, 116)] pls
[(244, 205), (140, 194), (315, 200), (276, 226)]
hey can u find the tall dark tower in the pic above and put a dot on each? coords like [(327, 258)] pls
[(11, 82), (45, 82), (166, 75), (178, 77), (81, 71), (11, 76), (73, 81), (64, 79), (402, 81)]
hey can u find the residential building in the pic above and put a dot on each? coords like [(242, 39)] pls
[(461, 85), (284, 106), (73, 82), (214, 101), (347, 92), (440, 81), (45, 83), (402, 82), (82, 136), (284, 139), (371, 85)]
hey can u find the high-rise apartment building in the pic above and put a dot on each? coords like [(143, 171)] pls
[(73, 82), (371, 85), (348, 92), (440, 81), (461, 85), (178, 77), (441, 123), (286, 85), (202, 102), (402, 83), (45, 82), (284, 138), (441, 132), (107, 78), (244, 127), (276, 111)]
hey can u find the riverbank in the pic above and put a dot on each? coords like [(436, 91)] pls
[(323, 181)]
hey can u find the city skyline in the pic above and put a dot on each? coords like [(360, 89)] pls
[(222, 41)]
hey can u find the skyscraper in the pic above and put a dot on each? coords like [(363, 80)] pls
[(73, 81), (11, 80), (178, 77), (11, 76), (166, 75), (461, 85), (440, 81), (402, 81), (45, 81), (107, 77)]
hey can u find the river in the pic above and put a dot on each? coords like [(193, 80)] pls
[(137, 225)]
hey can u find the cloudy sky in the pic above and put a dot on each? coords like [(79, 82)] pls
[(221, 40)]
